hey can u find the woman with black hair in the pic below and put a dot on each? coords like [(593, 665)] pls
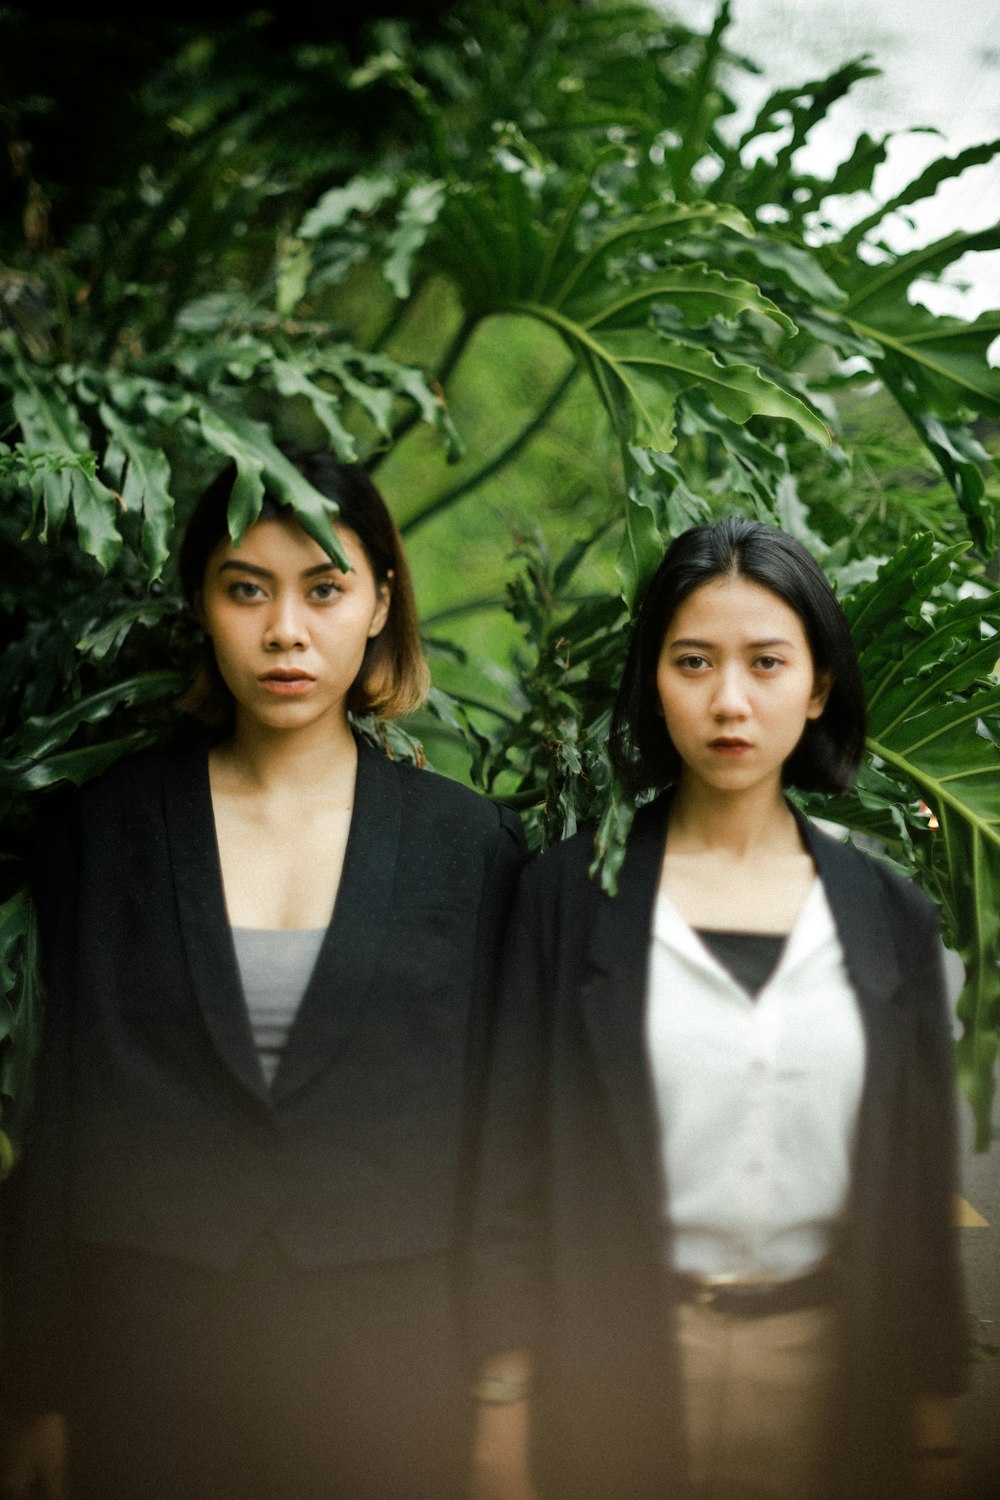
[(235, 1258), (715, 1249)]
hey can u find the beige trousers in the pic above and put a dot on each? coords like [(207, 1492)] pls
[(757, 1394)]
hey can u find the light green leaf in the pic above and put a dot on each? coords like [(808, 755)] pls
[(292, 277), (957, 771), (248, 487), (49, 421), (934, 723), (251, 447), (924, 186), (944, 358), (660, 225), (772, 262), (641, 548), (428, 397), (144, 484), (362, 195), (855, 175), (886, 283), (806, 103), (699, 292), (103, 637), (419, 211), (609, 840), (291, 380), (647, 363)]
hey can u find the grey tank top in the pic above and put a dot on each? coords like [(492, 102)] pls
[(275, 968)]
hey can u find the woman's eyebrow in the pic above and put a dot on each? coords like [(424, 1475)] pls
[(775, 640), (234, 564)]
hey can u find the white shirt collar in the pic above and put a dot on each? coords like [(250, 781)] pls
[(814, 927)]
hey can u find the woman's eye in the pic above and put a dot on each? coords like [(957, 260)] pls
[(768, 663), (324, 591), (244, 590), (693, 663)]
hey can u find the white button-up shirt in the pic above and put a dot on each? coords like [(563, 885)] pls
[(757, 1098)]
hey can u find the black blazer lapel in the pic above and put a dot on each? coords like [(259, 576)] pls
[(204, 923), (353, 943), (861, 915), (859, 911), (613, 996)]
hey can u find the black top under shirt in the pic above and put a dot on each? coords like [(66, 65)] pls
[(750, 957)]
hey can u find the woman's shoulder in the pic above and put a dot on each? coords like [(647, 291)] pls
[(70, 824), (573, 862), (438, 796), (115, 783), (136, 776), (904, 895), (563, 868), (906, 902)]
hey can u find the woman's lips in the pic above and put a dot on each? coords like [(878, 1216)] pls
[(286, 684), (724, 746)]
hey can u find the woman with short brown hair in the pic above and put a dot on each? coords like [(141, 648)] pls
[(269, 959)]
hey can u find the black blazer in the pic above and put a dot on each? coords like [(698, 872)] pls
[(154, 1128), (570, 1245)]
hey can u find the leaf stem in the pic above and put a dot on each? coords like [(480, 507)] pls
[(400, 309), (448, 364), (507, 455)]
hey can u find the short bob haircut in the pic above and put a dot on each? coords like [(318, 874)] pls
[(827, 757), (394, 678)]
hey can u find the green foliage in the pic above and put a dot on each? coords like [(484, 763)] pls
[(526, 243), (929, 660)]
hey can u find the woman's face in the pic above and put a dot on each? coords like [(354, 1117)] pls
[(288, 627), (737, 684)]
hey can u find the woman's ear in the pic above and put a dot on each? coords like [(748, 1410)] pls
[(822, 686), (383, 605)]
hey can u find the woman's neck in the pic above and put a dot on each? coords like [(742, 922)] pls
[(743, 824), (313, 763)]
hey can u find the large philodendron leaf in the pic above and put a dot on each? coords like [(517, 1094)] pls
[(943, 359), (42, 752), (142, 476), (567, 273), (923, 186), (522, 240), (252, 449), (599, 301), (38, 738), (952, 756), (934, 725), (697, 291), (51, 424), (976, 933), (639, 374), (790, 114)]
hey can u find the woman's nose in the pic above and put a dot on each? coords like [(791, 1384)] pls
[(286, 628), (730, 700)]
